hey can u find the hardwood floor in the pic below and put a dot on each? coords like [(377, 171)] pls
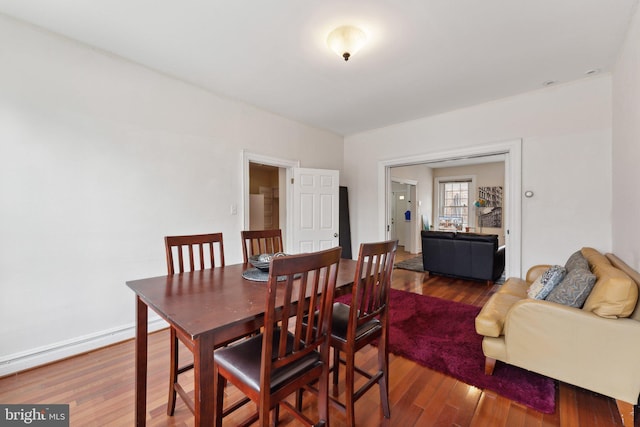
[(99, 386)]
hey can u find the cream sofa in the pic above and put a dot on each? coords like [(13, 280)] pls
[(596, 347)]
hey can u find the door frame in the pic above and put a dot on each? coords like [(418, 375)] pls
[(288, 165), (512, 149), (415, 228), (393, 219)]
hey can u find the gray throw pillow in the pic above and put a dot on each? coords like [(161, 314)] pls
[(576, 260), (574, 288), (545, 283)]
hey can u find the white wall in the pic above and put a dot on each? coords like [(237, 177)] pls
[(101, 158), (566, 133), (626, 148)]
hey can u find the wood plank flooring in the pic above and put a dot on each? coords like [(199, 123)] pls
[(99, 386)]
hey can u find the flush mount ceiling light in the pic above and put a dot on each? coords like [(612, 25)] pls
[(346, 41)]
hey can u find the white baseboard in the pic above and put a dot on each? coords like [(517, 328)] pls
[(17, 362)]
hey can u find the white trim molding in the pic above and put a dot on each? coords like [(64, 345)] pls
[(17, 362)]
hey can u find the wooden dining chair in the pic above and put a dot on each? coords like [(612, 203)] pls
[(285, 356), (256, 242), (185, 254), (361, 322)]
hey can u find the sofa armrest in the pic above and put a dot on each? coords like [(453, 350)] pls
[(575, 346), (536, 271), (498, 263)]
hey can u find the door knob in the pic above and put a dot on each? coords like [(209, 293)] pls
[(335, 234)]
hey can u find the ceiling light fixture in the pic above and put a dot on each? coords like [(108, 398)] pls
[(346, 41)]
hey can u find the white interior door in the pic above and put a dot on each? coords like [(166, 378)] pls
[(398, 223), (315, 209)]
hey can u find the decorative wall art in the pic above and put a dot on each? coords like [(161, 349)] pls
[(489, 207)]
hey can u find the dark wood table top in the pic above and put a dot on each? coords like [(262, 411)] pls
[(218, 300)]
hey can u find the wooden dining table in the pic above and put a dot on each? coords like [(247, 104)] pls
[(211, 307)]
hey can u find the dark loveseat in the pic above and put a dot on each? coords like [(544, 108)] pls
[(464, 255)]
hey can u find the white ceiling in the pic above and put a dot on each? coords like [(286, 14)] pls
[(423, 56)]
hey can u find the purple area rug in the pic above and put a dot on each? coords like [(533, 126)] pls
[(441, 335)]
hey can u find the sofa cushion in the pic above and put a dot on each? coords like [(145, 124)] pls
[(576, 260), (614, 295), (536, 271), (574, 288), (594, 258), (545, 283), (535, 288)]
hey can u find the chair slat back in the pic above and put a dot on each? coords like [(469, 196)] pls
[(194, 252), (256, 242), (307, 290), (372, 281)]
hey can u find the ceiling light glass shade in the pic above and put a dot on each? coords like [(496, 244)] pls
[(346, 41)]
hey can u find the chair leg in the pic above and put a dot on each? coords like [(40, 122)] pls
[(219, 397), (299, 399), (173, 372), (275, 419), (264, 415), (349, 388), (323, 395), (336, 365), (383, 384)]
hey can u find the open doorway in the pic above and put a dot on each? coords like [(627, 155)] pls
[(259, 164), (308, 202), (509, 152), (264, 196), (404, 218)]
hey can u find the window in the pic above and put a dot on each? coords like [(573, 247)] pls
[(453, 202)]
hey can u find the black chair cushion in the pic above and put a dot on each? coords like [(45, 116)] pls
[(341, 321), (243, 360)]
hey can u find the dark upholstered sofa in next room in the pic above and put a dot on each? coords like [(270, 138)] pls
[(465, 255)]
